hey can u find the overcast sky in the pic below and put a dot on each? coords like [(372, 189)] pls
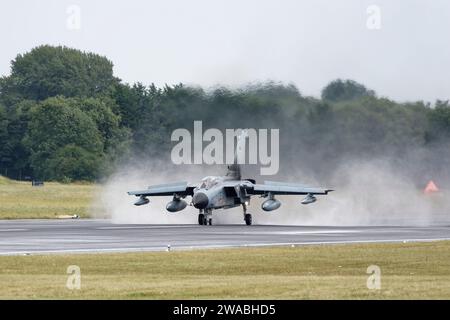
[(404, 55)]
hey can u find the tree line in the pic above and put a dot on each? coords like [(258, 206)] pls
[(64, 116)]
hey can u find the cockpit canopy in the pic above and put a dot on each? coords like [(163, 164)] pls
[(209, 182)]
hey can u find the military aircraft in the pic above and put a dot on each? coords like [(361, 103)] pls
[(223, 192)]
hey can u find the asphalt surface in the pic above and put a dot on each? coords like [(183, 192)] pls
[(79, 236)]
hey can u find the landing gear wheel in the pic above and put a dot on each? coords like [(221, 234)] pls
[(201, 219), (248, 219), (210, 221)]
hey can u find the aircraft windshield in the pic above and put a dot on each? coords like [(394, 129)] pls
[(208, 183)]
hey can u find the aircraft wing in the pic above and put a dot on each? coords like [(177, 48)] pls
[(285, 188), (169, 189)]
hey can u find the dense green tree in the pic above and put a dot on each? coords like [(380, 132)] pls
[(439, 121), (55, 123), (64, 116), (133, 102), (87, 125), (72, 162), (116, 139), (17, 154), (345, 90), (4, 154), (374, 126), (48, 71), (107, 122)]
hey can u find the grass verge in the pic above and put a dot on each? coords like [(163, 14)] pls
[(19, 200), (408, 271)]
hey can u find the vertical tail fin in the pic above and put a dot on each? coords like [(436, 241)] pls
[(234, 170)]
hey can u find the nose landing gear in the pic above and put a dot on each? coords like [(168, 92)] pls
[(201, 219), (205, 217)]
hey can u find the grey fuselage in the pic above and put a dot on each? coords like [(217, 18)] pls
[(217, 192)]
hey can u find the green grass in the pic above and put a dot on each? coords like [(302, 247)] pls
[(408, 271), (19, 200)]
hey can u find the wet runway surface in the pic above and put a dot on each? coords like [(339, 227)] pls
[(78, 236)]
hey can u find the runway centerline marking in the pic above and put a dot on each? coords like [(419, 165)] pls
[(143, 227), (10, 230), (308, 232)]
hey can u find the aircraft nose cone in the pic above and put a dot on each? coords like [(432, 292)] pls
[(200, 200)]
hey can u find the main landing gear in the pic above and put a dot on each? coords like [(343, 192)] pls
[(201, 219), (205, 217), (247, 216)]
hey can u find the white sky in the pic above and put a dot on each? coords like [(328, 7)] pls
[(208, 42)]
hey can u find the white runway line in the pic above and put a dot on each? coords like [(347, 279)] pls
[(143, 227), (309, 232), (318, 232), (10, 230)]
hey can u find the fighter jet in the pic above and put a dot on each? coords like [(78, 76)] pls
[(224, 192), (229, 191)]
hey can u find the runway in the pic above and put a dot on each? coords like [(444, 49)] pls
[(19, 237)]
